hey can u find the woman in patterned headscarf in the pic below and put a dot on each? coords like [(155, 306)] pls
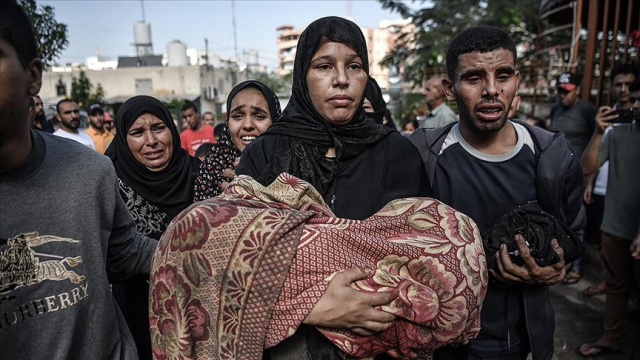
[(251, 108)]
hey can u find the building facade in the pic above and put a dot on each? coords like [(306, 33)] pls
[(205, 85), (380, 42)]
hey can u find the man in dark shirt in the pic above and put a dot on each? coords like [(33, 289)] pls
[(486, 166), (571, 114), (39, 121), (577, 119)]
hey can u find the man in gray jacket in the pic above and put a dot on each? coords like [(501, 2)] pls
[(487, 165), (62, 224)]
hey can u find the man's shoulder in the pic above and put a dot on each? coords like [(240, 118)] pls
[(446, 108), (623, 130), (398, 141), (206, 132), (64, 149), (587, 108), (186, 133), (85, 134), (586, 104)]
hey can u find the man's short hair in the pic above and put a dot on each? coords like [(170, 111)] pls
[(624, 68), (16, 29), (635, 85), (60, 103), (480, 39), (209, 112), (189, 105), (203, 150)]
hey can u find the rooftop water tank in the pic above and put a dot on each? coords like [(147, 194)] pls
[(141, 33), (177, 53)]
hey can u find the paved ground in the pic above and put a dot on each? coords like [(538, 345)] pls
[(577, 322)]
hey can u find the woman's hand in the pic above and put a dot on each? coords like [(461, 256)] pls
[(229, 173), (343, 307)]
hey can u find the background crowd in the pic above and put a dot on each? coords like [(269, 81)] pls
[(79, 256)]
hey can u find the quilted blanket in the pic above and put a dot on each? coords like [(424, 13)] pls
[(238, 273)]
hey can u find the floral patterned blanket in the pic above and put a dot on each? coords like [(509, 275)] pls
[(238, 273)]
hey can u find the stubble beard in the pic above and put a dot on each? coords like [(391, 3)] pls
[(479, 126)]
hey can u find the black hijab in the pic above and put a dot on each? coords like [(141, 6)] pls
[(308, 135), (171, 189), (374, 94), (224, 152)]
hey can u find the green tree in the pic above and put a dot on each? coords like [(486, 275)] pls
[(424, 48), (81, 89), (279, 84), (98, 96), (175, 108), (51, 36)]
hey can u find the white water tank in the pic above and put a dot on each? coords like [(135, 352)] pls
[(142, 38), (141, 33), (177, 53)]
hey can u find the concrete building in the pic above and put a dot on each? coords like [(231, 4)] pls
[(100, 63), (207, 86), (287, 43), (379, 40)]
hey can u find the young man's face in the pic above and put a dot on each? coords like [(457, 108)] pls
[(484, 87), (96, 119), (620, 85), (569, 99), (192, 118), (16, 85), (69, 116), (39, 106)]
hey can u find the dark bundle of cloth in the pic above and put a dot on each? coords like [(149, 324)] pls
[(538, 228)]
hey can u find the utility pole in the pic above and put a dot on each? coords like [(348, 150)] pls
[(235, 37), (206, 52), (142, 6)]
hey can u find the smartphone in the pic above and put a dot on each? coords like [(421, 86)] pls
[(624, 116)]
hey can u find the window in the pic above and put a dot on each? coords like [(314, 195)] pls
[(144, 87)]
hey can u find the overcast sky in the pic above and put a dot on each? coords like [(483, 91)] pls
[(108, 25)]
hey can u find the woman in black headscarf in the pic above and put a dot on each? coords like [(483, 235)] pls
[(246, 122), (375, 106), (357, 165), (324, 137), (155, 177)]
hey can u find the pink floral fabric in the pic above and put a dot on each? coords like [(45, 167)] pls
[(238, 273)]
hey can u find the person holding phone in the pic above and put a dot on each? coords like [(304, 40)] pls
[(622, 75), (620, 226)]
